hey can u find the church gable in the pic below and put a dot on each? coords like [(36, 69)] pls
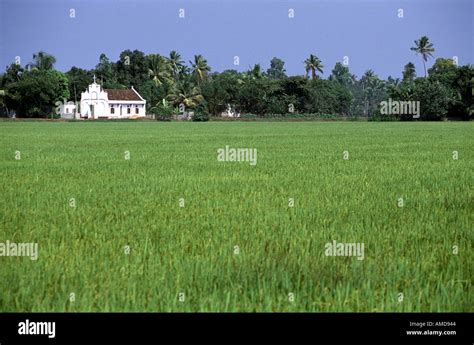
[(94, 91)]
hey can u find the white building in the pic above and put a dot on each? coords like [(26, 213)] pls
[(68, 110), (230, 112), (97, 103)]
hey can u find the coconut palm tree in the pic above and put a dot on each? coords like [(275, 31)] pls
[(158, 69), (313, 64), (392, 81), (42, 61), (185, 92), (176, 64), (424, 47), (409, 72), (256, 72), (200, 68), (372, 86)]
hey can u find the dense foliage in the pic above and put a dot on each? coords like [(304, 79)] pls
[(173, 87)]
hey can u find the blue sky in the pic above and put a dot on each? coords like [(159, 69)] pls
[(369, 32)]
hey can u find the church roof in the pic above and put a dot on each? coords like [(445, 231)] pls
[(122, 95)]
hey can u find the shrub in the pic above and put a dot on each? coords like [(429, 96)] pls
[(163, 111), (308, 116), (248, 116), (201, 113)]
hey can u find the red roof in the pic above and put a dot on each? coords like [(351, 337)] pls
[(122, 95)]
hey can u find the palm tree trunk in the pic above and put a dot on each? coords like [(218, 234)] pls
[(313, 73), (424, 65)]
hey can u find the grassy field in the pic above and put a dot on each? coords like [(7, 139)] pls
[(128, 245)]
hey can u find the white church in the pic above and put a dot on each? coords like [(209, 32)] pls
[(98, 103)]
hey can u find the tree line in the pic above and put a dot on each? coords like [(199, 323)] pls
[(172, 86)]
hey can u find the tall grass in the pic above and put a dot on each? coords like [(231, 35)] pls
[(191, 249)]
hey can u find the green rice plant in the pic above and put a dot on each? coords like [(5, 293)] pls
[(142, 216)]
